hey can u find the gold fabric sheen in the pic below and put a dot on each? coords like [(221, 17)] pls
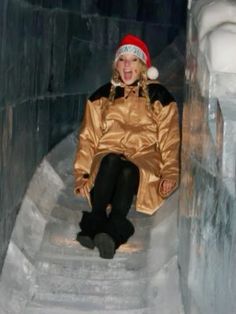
[(147, 137)]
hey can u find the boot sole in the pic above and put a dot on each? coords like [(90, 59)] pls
[(105, 245), (86, 241)]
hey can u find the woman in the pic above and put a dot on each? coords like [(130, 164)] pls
[(128, 144)]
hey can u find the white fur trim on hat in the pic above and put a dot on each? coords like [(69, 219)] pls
[(131, 49), (152, 73)]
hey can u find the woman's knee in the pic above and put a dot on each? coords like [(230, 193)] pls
[(129, 172), (111, 160)]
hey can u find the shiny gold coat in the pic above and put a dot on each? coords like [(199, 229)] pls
[(147, 137)]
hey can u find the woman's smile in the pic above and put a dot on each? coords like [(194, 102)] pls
[(129, 68)]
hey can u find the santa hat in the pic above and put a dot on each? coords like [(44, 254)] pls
[(133, 44)]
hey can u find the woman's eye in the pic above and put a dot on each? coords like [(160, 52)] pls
[(135, 60), (121, 59)]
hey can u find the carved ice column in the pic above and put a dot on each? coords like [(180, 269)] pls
[(207, 220)]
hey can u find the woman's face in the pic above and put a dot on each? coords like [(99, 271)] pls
[(129, 68)]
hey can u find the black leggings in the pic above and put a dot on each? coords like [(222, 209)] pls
[(116, 183)]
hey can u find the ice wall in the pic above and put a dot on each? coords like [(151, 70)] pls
[(207, 218), (35, 111), (52, 53)]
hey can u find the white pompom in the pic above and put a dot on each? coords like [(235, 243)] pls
[(152, 73)]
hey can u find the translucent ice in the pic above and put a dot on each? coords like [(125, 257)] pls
[(210, 14), (207, 194), (17, 281), (214, 40), (216, 25), (221, 48)]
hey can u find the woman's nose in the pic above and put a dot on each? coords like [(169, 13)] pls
[(127, 62)]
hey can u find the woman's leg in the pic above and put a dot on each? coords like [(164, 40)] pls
[(126, 187), (119, 228), (95, 221), (105, 182)]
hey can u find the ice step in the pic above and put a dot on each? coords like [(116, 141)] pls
[(116, 293), (53, 308), (86, 264), (62, 285), (154, 297), (93, 302), (155, 234), (95, 269)]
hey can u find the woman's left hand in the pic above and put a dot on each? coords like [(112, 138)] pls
[(167, 186)]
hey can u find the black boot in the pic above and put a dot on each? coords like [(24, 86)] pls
[(117, 232), (85, 240), (90, 225), (105, 244)]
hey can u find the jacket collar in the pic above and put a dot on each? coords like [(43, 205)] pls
[(123, 89)]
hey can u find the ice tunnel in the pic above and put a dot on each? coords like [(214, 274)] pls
[(182, 259)]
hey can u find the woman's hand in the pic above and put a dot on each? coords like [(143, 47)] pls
[(83, 190), (166, 186)]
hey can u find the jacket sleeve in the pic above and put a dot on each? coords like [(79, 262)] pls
[(169, 142), (88, 140)]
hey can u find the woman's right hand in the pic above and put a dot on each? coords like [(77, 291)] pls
[(83, 190)]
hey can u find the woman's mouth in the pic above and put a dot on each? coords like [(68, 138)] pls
[(128, 75)]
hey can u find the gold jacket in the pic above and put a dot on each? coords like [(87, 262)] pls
[(147, 137)]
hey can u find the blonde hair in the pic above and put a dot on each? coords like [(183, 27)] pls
[(116, 81)]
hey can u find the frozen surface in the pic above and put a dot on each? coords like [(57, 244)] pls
[(46, 270), (209, 14), (17, 281), (212, 33), (220, 47), (227, 141), (207, 220)]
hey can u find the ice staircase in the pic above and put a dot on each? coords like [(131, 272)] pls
[(47, 272)]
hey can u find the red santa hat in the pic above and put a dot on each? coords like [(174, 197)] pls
[(133, 44)]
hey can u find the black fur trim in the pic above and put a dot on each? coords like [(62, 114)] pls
[(156, 92), (119, 92), (103, 91), (159, 92)]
